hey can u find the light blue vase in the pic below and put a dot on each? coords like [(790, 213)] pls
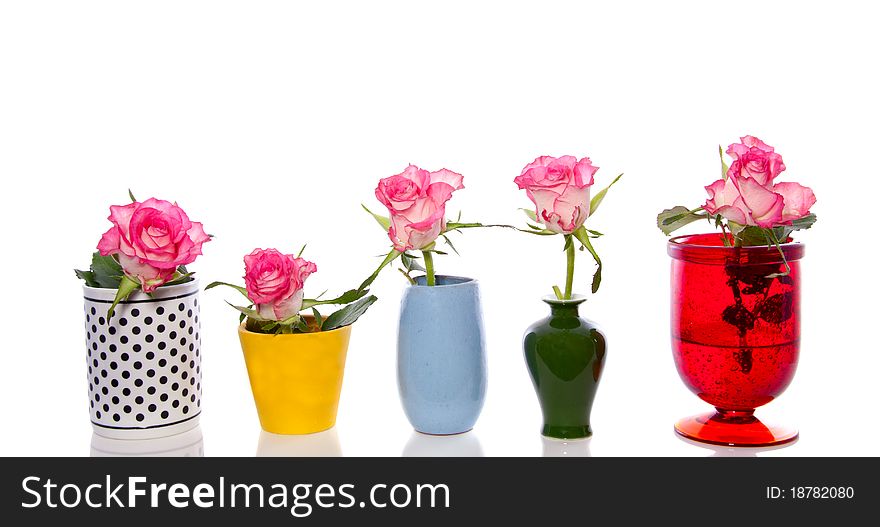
[(441, 355)]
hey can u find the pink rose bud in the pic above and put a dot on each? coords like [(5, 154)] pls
[(560, 190), (416, 202), (274, 282), (749, 197), (151, 239)]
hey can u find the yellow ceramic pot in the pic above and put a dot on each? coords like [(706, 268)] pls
[(296, 379)]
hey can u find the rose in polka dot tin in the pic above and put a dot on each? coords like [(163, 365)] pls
[(144, 363)]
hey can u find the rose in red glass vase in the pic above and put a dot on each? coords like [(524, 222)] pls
[(736, 297)]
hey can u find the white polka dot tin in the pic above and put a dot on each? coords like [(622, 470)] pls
[(144, 364)]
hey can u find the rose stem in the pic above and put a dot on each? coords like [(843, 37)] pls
[(569, 274), (429, 267)]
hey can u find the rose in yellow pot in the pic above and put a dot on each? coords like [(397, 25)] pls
[(295, 362)]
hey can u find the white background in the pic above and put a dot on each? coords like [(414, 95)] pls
[(271, 122)]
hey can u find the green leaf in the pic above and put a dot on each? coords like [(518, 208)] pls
[(250, 313), (671, 220), (238, 288), (130, 195), (410, 263), (724, 166), (449, 243), (180, 279), (568, 243), (88, 276), (584, 238), (126, 287), (557, 292), (531, 214), (300, 253), (384, 221), (319, 320), (388, 259), (802, 223), (597, 199), (407, 276), (594, 234), (454, 225), (106, 271), (345, 298), (349, 314)]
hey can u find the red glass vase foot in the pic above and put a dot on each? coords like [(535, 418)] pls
[(734, 429)]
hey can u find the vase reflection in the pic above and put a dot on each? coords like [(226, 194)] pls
[(187, 444), (734, 451), (319, 444), (566, 447), (458, 445)]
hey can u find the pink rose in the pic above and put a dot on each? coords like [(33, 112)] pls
[(151, 239), (560, 190), (749, 197), (416, 202), (274, 282), (755, 159)]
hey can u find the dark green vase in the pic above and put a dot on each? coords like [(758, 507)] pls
[(565, 355)]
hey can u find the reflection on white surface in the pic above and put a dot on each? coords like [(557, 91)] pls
[(319, 444), (734, 451), (566, 447), (187, 444), (459, 445)]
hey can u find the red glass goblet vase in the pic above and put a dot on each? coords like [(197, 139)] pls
[(735, 334)]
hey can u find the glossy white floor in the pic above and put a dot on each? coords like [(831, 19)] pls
[(271, 122)]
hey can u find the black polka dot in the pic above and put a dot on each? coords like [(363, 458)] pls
[(105, 391), (106, 407), (151, 390), (103, 339), (95, 363), (183, 341), (183, 358), (94, 328), (163, 379), (113, 365), (98, 415), (91, 387), (136, 330), (94, 346), (184, 375), (104, 373), (123, 357), (181, 307), (150, 355), (116, 417), (113, 348), (139, 417), (148, 320), (161, 345), (172, 317), (114, 383), (151, 408), (97, 381), (175, 386), (126, 374), (103, 356), (126, 409), (115, 400), (138, 382), (190, 331), (139, 400), (98, 397), (135, 312), (112, 330), (126, 392), (182, 324), (192, 364), (160, 310), (92, 403), (162, 363), (151, 373), (199, 403), (175, 403), (189, 313), (186, 409), (123, 339), (174, 369), (164, 414), (192, 381), (163, 397), (160, 328), (196, 302), (101, 320), (138, 365), (173, 352), (94, 311), (123, 321)]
